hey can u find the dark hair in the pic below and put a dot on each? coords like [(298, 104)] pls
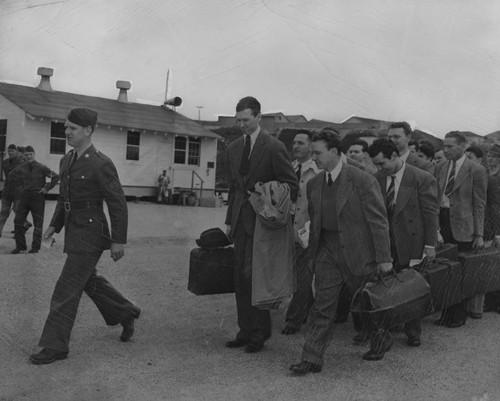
[(360, 142), (476, 150), (384, 145), (30, 149), (249, 102), (402, 124), (414, 143), (12, 146), (331, 139), (305, 132), (458, 136), (427, 149)]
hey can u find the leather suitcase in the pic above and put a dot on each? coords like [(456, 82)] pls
[(480, 272), (445, 278), (447, 251), (393, 300), (211, 271)]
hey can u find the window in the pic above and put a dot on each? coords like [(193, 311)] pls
[(57, 139), (133, 144), (3, 135), (187, 151)]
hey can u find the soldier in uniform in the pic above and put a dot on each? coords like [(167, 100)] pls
[(88, 178)]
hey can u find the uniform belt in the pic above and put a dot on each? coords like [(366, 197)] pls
[(82, 205)]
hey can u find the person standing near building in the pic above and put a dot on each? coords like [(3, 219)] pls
[(32, 176), (8, 203), (348, 241), (164, 187), (88, 178), (302, 300), (254, 157)]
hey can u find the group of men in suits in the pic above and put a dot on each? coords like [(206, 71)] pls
[(360, 223)]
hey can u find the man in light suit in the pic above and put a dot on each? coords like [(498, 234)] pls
[(348, 241), (411, 199), (254, 157), (400, 134), (462, 195)]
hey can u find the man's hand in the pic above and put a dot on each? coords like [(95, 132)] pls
[(478, 243), (49, 232), (430, 253), (440, 240), (117, 251), (43, 191), (384, 267)]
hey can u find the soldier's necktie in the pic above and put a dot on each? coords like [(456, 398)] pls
[(390, 200), (299, 171), (330, 181), (245, 162), (451, 180)]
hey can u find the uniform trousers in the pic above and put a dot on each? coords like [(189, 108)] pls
[(302, 299), (331, 271), (33, 202), (78, 275), (7, 206), (254, 323)]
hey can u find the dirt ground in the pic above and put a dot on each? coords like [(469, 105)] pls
[(178, 352)]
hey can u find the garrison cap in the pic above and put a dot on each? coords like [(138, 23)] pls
[(29, 148), (83, 117), (12, 146), (495, 150)]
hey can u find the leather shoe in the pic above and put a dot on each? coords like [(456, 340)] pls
[(46, 356), (377, 353), (304, 367), (454, 325), (33, 251), (361, 337), (128, 326), (254, 347), (475, 315), (237, 343), (288, 330), (15, 251), (413, 341)]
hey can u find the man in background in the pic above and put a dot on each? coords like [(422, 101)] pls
[(8, 203), (358, 151)]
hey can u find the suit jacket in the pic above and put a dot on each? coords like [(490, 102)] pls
[(422, 164), (362, 219), (415, 219), (91, 178), (468, 199), (268, 162), (492, 212)]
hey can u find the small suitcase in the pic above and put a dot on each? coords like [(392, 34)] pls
[(480, 272), (445, 278), (211, 271), (447, 251)]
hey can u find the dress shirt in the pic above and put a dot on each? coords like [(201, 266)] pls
[(32, 176), (397, 181), (334, 173), (445, 201)]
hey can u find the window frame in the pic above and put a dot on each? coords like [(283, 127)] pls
[(129, 147), (57, 140)]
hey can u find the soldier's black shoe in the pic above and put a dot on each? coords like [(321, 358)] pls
[(33, 250), (376, 353), (413, 341), (254, 346), (128, 326), (304, 367), (236, 343), (15, 251), (46, 356)]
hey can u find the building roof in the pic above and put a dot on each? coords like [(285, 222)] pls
[(56, 105)]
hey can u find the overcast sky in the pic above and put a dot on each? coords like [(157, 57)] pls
[(434, 63)]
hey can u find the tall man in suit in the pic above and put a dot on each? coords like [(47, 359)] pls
[(462, 195), (254, 157), (302, 300), (88, 178), (411, 199), (349, 241), (400, 134)]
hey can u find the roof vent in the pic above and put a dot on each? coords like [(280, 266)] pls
[(124, 86), (45, 73)]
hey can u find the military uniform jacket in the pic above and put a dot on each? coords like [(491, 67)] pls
[(84, 185)]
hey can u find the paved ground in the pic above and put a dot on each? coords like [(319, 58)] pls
[(178, 351)]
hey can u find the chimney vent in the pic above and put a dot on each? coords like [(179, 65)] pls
[(124, 86), (45, 73)]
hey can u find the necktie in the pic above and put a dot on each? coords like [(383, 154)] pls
[(299, 171), (245, 163), (330, 181), (451, 180), (390, 201)]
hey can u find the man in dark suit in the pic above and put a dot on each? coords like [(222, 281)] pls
[(254, 157), (410, 196), (348, 241), (88, 178), (400, 134), (462, 187)]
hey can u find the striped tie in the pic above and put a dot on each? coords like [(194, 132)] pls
[(390, 202), (451, 180)]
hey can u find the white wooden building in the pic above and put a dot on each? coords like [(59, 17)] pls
[(141, 139)]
